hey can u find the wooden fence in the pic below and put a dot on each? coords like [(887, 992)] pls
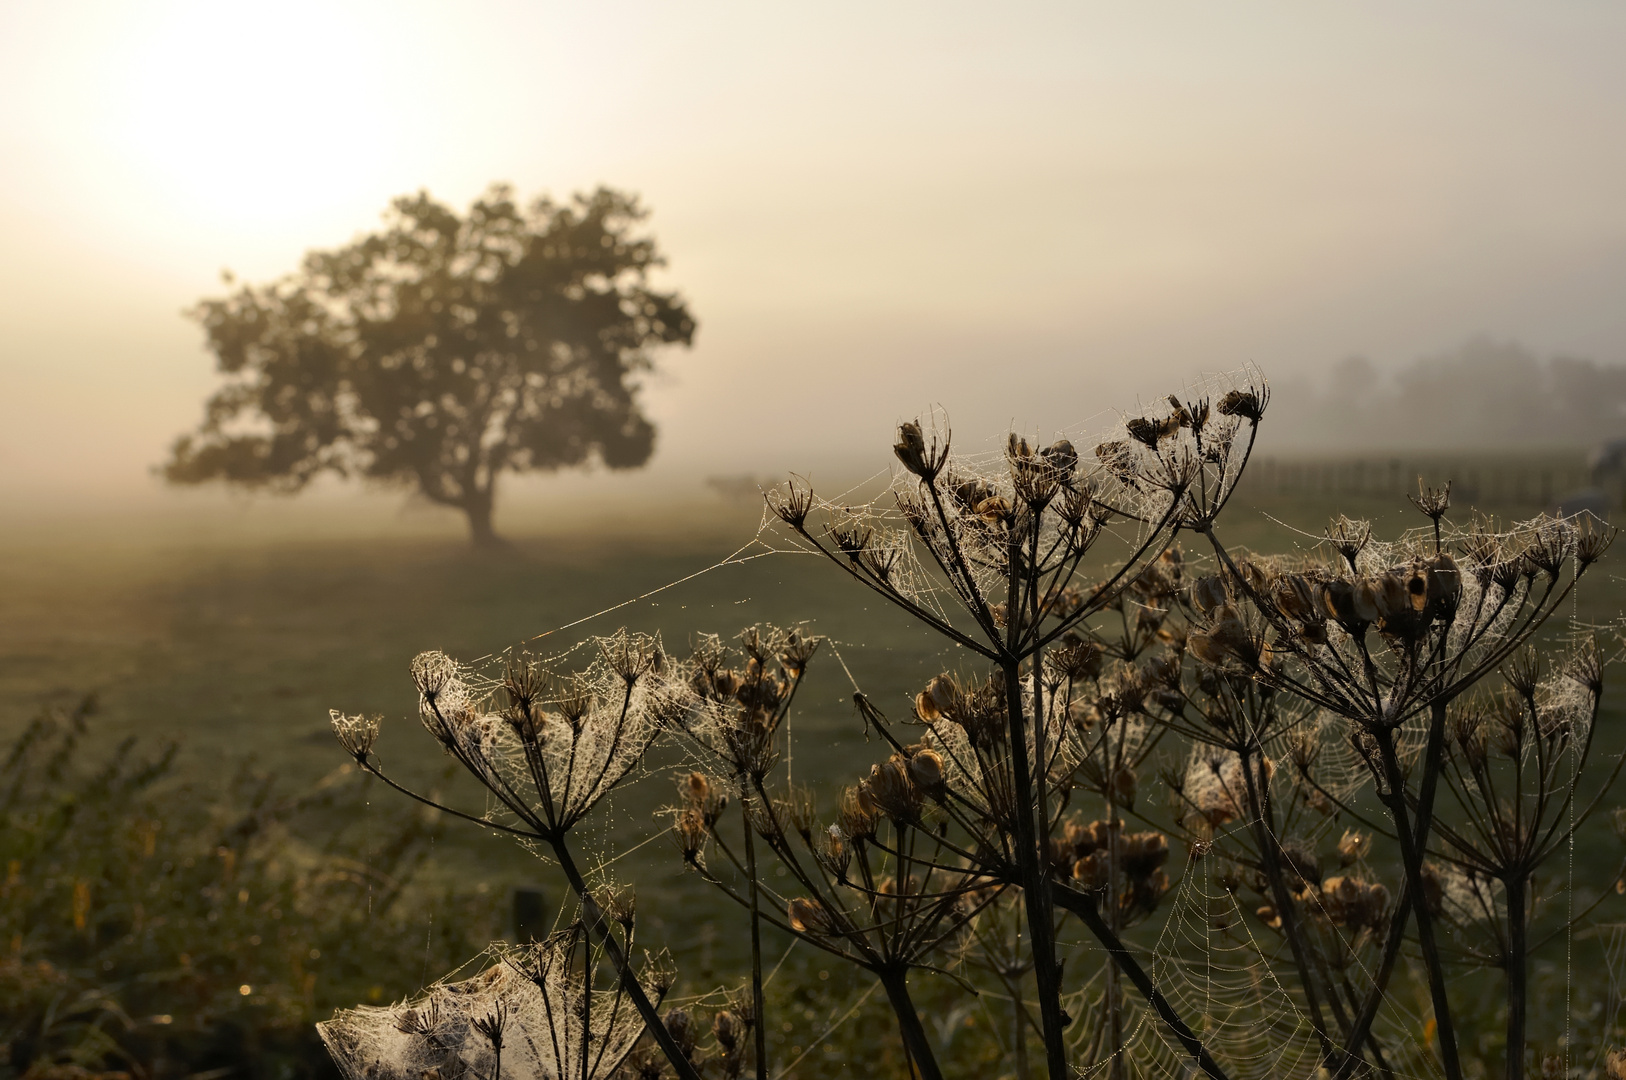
[(1537, 479)]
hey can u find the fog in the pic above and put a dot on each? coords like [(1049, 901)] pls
[(1029, 215)]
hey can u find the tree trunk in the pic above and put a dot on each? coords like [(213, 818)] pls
[(478, 507)]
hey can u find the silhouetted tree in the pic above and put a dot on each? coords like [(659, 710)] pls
[(441, 352)]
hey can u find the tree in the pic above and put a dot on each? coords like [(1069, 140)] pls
[(441, 352)]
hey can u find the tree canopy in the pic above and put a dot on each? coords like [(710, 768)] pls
[(441, 352)]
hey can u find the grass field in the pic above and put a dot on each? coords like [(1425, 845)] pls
[(239, 647)]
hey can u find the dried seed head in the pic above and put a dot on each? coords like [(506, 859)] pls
[(681, 1026), (995, 510), (695, 789), (858, 813), (690, 832), (1523, 673), (357, 734), (810, 917), (1351, 902), (1294, 598), (1433, 502), (911, 449), (1062, 459), (1353, 846), (1349, 537), (492, 1024), (1145, 430), (1122, 785), (1301, 859), (1076, 658), (420, 1021), (941, 700), (922, 457), (1338, 601), (1226, 640), (1208, 593), (1364, 599), (1591, 543), (727, 1029), (850, 534), (632, 656), (1248, 404), (926, 771), (1390, 597), (1444, 582), (525, 682), (799, 809), (891, 790), (968, 493), (1586, 667), (433, 672), (1143, 853), (793, 503), (834, 853), (796, 651), (1118, 458), (577, 702), (1554, 542)]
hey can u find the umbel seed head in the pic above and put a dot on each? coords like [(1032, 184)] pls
[(926, 770), (1248, 404), (921, 459), (357, 734)]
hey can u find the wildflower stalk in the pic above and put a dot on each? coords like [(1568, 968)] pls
[(1516, 961), (761, 1031), (1411, 854), (1041, 927), (1084, 905), (1360, 1030), (593, 918), (1270, 854), (916, 1044)]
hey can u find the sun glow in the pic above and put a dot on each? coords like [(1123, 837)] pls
[(226, 115)]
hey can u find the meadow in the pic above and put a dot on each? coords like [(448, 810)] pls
[(236, 647)]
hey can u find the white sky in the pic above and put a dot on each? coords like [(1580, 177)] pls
[(1027, 213)]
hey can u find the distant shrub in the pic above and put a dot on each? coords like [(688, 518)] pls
[(159, 929)]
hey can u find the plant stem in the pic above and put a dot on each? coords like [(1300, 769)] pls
[(1114, 991), (1270, 854), (623, 965), (761, 1029), (1432, 759), (895, 980), (1035, 895), (1517, 950), (1411, 854), (1084, 906)]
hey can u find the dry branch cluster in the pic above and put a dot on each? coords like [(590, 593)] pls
[(1365, 754)]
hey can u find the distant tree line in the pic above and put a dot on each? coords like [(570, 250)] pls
[(1484, 393)]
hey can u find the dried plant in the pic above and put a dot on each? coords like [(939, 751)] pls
[(1301, 714), (537, 1010)]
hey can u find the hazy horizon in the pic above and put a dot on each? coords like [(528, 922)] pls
[(1032, 217)]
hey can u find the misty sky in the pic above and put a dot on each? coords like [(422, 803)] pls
[(1026, 213)]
